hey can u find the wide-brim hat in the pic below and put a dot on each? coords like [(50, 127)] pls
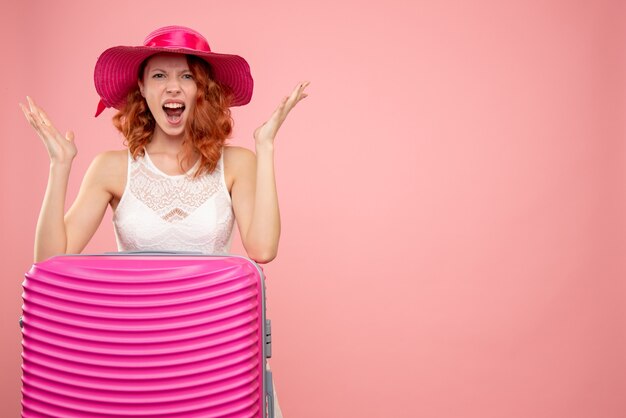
[(116, 72)]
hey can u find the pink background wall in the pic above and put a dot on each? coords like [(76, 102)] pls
[(452, 192)]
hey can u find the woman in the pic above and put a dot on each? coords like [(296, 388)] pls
[(177, 187)]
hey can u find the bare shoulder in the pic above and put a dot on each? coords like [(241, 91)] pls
[(109, 169), (238, 161), (236, 156), (110, 161)]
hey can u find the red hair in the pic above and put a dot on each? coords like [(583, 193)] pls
[(206, 129)]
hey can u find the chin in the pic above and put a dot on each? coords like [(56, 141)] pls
[(169, 130), (175, 132)]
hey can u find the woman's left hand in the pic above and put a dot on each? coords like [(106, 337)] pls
[(266, 133)]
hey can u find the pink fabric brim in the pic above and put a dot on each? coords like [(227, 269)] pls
[(116, 72)]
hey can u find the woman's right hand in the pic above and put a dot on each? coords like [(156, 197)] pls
[(62, 150)]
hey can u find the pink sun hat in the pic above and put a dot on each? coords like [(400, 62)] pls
[(116, 70)]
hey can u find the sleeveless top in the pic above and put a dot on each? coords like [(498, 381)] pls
[(158, 211)]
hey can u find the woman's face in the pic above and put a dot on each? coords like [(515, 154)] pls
[(170, 91)]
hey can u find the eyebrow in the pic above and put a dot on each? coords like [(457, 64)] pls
[(159, 69)]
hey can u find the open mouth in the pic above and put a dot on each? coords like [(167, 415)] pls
[(174, 112)]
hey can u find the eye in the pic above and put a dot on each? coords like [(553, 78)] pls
[(158, 75), (188, 76)]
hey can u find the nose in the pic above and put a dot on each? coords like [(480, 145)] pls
[(172, 85)]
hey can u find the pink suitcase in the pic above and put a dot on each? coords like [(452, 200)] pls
[(145, 335)]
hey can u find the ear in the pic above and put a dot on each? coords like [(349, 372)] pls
[(140, 82)]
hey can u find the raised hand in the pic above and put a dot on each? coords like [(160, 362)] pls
[(61, 149), (266, 133)]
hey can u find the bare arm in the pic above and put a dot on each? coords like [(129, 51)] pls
[(255, 199), (57, 233), (255, 203)]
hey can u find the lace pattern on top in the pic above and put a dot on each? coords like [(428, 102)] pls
[(173, 198), (162, 212)]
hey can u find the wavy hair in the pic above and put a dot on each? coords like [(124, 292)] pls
[(206, 129)]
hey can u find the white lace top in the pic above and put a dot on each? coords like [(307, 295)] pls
[(162, 212)]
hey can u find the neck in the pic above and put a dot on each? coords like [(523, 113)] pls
[(164, 143), (171, 148)]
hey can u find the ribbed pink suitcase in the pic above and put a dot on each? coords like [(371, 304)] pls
[(145, 335)]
